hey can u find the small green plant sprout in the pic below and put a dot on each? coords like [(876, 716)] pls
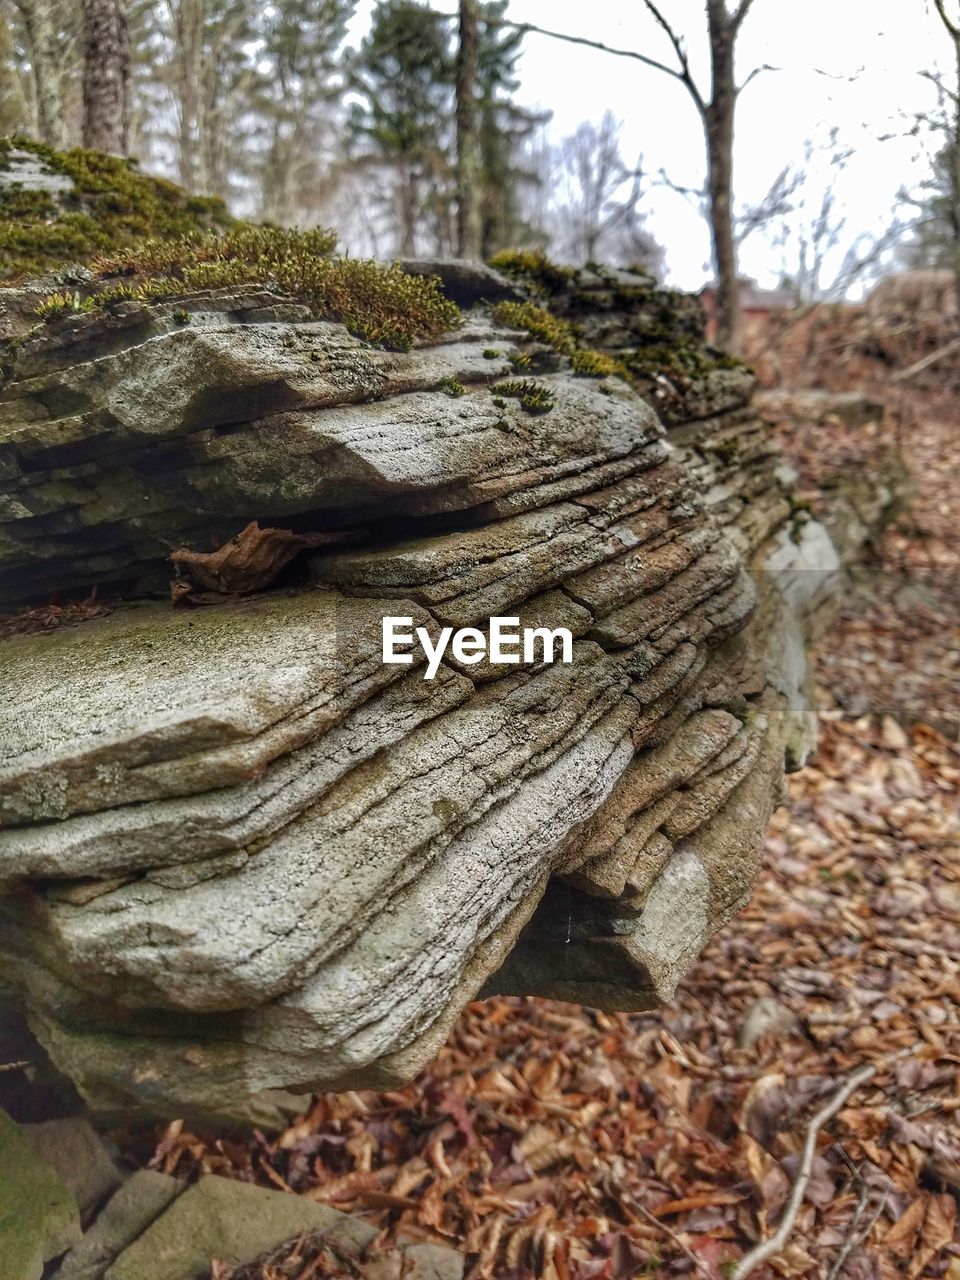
[(182, 316), (537, 322), (519, 359), (60, 304), (533, 397), (491, 353), (452, 387), (594, 364)]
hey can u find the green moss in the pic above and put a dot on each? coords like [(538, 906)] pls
[(533, 267), (491, 353), (683, 361), (112, 205), (587, 363), (727, 450), (533, 397), (381, 304), (181, 316), (537, 322), (452, 387), (60, 304)]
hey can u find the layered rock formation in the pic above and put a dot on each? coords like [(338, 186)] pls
[(237, 850)]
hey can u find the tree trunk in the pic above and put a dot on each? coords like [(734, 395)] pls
[(41, 39), (408, 213), (469, 220), (718, 125), (106, 75), (955, 180), (188, 28)]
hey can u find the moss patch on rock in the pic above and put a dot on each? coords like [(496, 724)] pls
[(110, 205), (534, 268), (381, 304), (587, 363), (533, 396), (538, 323)]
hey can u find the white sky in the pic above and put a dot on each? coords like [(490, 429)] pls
[(872, 52)]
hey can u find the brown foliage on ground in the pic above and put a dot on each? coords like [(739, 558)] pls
[(556, 1142)]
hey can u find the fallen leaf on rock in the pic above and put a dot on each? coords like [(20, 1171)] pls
[(248, 562)]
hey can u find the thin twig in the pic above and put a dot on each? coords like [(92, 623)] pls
[(850, 1242), (668, 1231), (770, 1247), (531, 28), (927, 361)]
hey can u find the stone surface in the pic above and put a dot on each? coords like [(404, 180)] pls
[(432, 1262), (765, 1017), (73, 1148), (127, 1214), (235, 1221), (240, 853), (39, 1218), (464, 281)]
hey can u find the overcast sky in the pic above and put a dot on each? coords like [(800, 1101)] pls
[(853, 64)]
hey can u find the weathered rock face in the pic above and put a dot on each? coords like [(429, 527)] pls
[(237, 850)]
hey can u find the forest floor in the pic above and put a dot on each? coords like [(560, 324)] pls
[(557, 1142)]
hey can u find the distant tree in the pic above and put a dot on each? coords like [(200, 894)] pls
[(47, 39), (16, 110), (717, 112), (400, 121), (508, 178), (597, 196), (207, 61), (936, 230), (300, 87), (106, 75), (469, 212), (947, 168)]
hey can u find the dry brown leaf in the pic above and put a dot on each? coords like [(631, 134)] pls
[(939, 1230), (903, 1233), (248, 562)]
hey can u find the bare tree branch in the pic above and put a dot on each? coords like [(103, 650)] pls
[(756, 72), (946, 20), (941, 352), (531, 28), (773, 1245), (690, 193), (936, 79), (680, 50), (741, 13)]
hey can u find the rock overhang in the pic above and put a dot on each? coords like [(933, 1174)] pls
[(238, 850)]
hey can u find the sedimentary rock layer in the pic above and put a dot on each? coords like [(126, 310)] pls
[(239, 851)]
